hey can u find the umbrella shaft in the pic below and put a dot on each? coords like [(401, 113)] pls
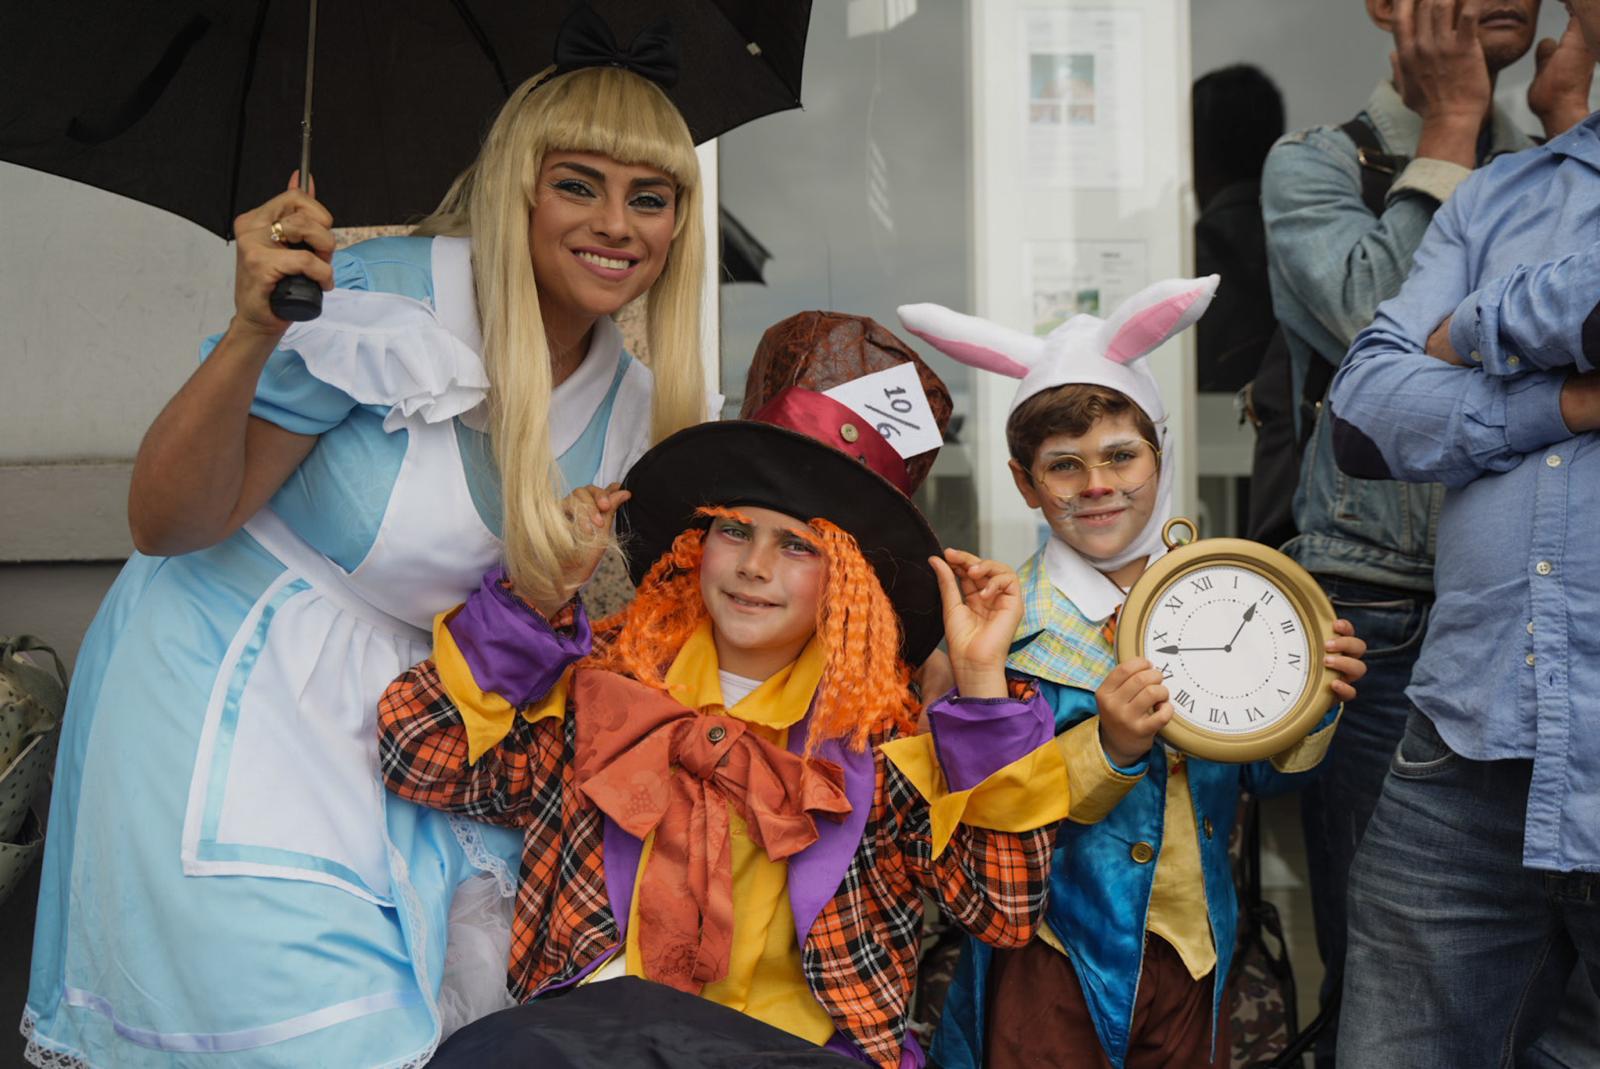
[(305, 120)]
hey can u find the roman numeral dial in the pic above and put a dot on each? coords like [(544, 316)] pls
[(1232, 646)]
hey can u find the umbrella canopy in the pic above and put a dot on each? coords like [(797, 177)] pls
[(195, 107)]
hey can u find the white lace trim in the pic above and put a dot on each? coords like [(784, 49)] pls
[(406, 898), (385, 349), (470, 836), (47, 1054), (44, 1053)]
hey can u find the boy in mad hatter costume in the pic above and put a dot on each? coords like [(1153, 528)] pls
[(1128, 967), (723, 796)]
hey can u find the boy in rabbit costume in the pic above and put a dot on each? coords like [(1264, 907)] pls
[(1141, 915)]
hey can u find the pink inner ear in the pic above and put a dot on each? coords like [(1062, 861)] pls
[(1149, 327), (978, 356)]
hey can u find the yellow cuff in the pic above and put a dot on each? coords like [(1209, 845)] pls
[(1097, 787), (1031, 792), (1308, 753), (487, 716)]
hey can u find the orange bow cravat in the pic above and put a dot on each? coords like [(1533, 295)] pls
[(1108, 630), (652, 765)]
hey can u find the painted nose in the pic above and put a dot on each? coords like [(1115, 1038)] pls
[(1097, 486)]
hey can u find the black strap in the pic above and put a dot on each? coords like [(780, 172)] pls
[(1378, 168)]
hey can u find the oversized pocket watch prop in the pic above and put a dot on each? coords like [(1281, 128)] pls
[(1239, 632)]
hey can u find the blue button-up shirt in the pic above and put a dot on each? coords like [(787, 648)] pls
[(1331, 262), (1510, 667)]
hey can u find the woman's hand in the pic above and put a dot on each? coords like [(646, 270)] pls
[(1345, 653), (206, 465), (982, 608), (1134, 706), (599, 508), (260, 261)]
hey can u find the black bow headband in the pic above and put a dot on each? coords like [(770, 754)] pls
[(585, 40)]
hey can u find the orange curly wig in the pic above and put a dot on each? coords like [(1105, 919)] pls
[(865, 687)]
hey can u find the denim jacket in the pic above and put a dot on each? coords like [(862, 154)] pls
[(1331, 262)]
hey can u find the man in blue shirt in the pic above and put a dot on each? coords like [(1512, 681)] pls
[(1333, 258), (1476, 891)]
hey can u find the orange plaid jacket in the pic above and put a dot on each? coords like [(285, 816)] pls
[(860, 955)]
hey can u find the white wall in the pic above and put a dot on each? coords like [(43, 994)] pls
[(1011, 210), (104, 303)]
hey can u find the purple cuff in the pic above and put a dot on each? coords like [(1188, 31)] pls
[(512, 650), (911, 1056), (977, 737)]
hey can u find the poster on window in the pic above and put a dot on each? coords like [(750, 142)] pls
[(1085, 100), (1068, 278)]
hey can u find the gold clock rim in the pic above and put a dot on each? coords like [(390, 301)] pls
[(1312, 605)]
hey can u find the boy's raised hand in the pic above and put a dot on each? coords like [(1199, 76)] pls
[(982, 608), (1134, 706), (599, 507)]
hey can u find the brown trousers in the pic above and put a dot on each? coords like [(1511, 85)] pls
[(1038, 1018)]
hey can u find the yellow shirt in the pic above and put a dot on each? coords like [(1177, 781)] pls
[(1178, 910), (764, 979)]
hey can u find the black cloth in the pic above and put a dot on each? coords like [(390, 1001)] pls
[(629, 1022), (1230, 240)]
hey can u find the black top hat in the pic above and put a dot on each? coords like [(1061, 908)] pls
[(806, 455)]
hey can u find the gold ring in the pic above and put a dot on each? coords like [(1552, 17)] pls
[(277, 232)]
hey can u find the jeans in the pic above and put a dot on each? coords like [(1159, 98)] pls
[(1336, 805), (1458, 956)]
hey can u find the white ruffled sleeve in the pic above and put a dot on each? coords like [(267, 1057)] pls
[(389, 351)]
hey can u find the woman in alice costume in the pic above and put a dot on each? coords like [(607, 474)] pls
[(225, 883)]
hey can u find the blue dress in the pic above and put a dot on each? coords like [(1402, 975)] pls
[(225, 880)]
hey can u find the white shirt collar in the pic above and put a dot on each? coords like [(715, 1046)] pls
[(1095, 596)]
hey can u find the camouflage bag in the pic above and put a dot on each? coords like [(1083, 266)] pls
[(31, 703), (1262, 1005)]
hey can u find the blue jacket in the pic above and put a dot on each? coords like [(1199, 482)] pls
[(1099, 894)]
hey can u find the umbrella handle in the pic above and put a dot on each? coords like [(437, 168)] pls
[(296, 298)]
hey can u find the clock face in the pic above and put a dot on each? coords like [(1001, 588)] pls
[(1232, 648)]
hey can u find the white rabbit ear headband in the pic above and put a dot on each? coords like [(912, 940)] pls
[(1085, 350)]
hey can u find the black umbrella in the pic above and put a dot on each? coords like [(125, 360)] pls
[(196, 107)]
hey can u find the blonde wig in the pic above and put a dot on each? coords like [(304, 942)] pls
[(615, 113)]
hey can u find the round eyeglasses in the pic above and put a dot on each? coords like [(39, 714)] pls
[(1126, 466)]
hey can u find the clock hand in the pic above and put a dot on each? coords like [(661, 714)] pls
[(1248, 615), (1193, 649)]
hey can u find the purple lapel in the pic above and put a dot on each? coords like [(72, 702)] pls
[(622, 853), (816, 872)]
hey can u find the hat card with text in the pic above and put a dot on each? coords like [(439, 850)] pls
[(894, 402)]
